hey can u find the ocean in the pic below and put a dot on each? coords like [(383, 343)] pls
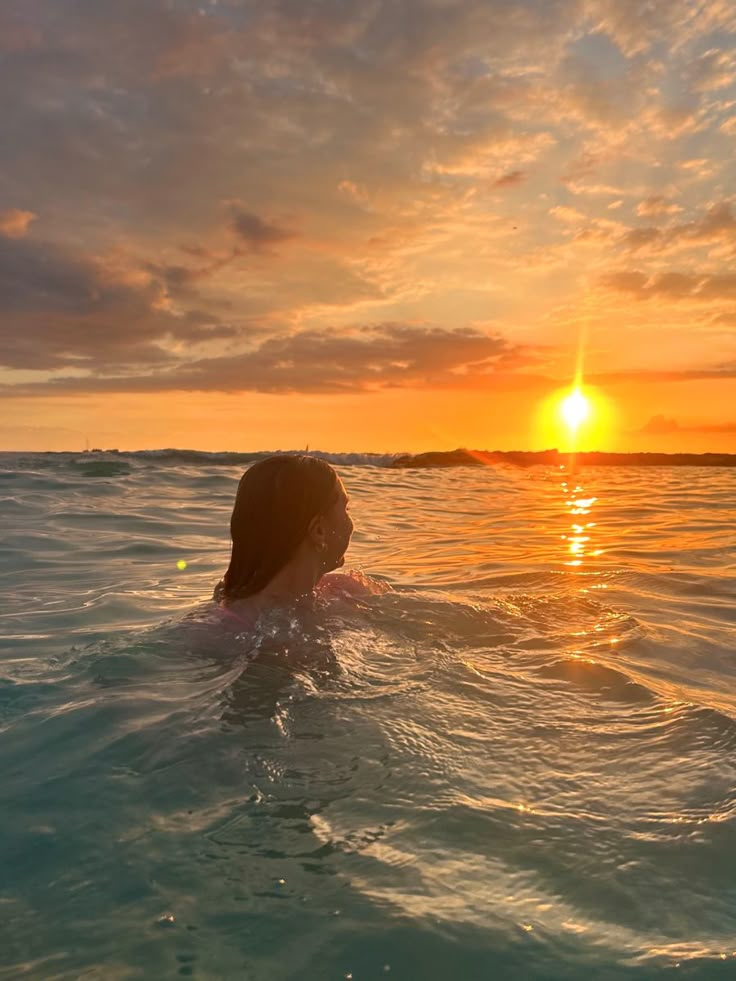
[(518, 764)]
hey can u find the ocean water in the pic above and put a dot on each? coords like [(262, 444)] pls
[(519, 764)]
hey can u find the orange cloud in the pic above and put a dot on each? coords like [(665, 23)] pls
[(15, 223), (665, 425), (671, 285), (655, 205)]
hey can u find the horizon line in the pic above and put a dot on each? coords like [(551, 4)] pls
[(394, 453)]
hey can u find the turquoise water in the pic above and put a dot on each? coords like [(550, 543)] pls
[(519, 764)]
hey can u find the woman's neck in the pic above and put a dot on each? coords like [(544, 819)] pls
[(295, 581)]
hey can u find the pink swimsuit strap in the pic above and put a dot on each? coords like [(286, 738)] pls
[(231, 613)]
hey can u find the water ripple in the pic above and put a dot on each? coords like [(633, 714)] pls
[(520, 763)]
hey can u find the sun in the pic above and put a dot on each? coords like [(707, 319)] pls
[(575, 409), (577, 418)]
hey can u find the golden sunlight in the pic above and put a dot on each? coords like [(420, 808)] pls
[(576, 419), (575, 409)]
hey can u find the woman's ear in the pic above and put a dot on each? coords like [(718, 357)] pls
[(317, 533)]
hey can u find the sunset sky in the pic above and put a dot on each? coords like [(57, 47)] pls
[(382, 225)]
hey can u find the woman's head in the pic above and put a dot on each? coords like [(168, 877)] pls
[(285, 504)]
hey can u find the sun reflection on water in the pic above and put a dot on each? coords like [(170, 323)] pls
[(579, 540)]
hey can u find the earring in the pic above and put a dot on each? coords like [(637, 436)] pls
[(322, 547)]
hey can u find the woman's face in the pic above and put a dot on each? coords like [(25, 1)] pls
[(339, 528)]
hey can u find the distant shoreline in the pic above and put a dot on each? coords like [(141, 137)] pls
[(521, 458)]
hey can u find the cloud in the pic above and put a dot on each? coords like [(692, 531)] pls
[(566, 214), (361, 359), (661, 426), (511, 179), (717, 287), (639, 238), (59, 308), (181, 281), (255, 232), (353, 192), (14, 223), (671, 285), (335, 163), (655, 205), (647, 376), (666, 426), (726, 318), (714, 69), (625, 281), (17, 33), (718, 224), (636, 26)]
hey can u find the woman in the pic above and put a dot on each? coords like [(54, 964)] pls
[(290, 528)]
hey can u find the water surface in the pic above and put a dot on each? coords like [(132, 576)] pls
[(519, 764)]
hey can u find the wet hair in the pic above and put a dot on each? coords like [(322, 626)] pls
[(277, 499)]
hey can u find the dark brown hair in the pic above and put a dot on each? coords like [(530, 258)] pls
[(277, 499)]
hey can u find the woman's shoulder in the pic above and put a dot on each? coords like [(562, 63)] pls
[(239, 616), (352, 583)]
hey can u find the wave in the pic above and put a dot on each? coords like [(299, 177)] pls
[(460, 457), (230, 458), (106, 460)]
